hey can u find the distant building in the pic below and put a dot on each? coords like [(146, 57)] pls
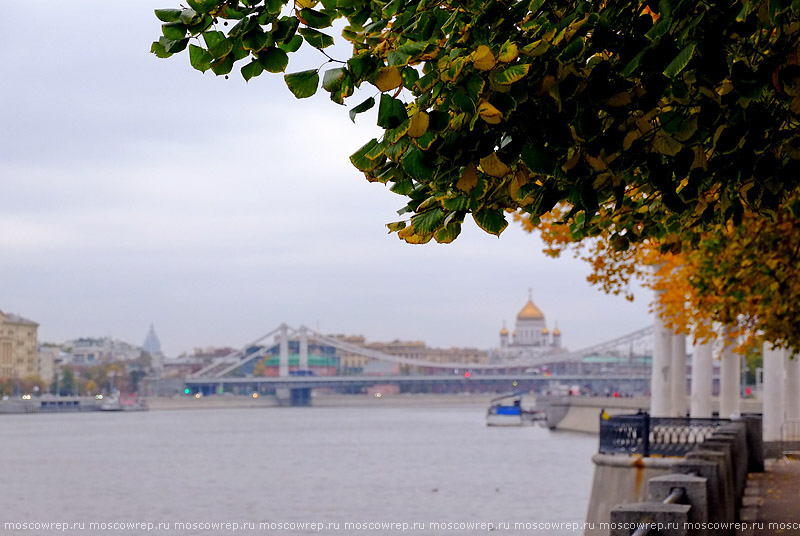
[(96, 350), (152, 346), (531, 337), (18, 346), (412, 350)]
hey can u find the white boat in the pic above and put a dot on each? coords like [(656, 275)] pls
[(116, 403), (506, 410)]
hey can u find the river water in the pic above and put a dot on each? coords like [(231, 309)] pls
[(271, 470)]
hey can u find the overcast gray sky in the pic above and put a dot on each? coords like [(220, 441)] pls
[(135, 190)]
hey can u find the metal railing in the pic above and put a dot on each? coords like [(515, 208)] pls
[(790, 437), (647, 436)]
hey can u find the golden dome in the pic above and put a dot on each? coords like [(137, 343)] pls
[(530, 312), (556, 331), (504, 331), (545, 331)]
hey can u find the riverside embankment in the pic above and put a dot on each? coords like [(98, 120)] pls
[(322, 400)]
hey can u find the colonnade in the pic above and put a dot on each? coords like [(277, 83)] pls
[(668, 381), (781, 390)]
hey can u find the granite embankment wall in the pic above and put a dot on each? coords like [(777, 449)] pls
[(582, 414)]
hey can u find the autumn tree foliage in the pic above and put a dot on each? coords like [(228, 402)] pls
[(682, 111), (743, 278), (662, 127)]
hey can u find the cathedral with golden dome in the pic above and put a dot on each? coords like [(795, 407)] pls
[(531, 337)]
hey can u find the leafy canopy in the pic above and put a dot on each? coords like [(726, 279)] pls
[(744, 278), (665, 116)]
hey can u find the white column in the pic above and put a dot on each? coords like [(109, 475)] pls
[(702, 380), (660, 376), (773, 393), (791, 397), (730, 381), (303, 349), (678, 375), (283, 363)]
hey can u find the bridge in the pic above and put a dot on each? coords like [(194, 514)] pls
[(560, 368)]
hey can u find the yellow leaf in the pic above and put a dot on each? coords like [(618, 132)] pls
[(418, 125), (666, 145), (630, 137), (483, 58), (620, 99), (489, 113), (700, 160), (537, 48), (468, 179), (388, 78), (411, 237), (302, 4), (572, 162), (492, 165), (508, 52), (596, 163)]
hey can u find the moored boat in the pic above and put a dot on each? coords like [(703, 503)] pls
[(506, 410)]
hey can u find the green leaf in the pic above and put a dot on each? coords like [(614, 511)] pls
[(316, 39), (199, 58), (332, 79), (315, 19), (665, 7), (512, 74), (221, 49), (223, 66), (293, 44), (174, 30), (303, 84), (538, 160), (203, 6), (173, 46), (257, 40), (285, 29), (391, 112), (158, 49), (428, 221), (414, 164), (363, 107), (360, 160), (273, 59), (212, 37), (448, 233), (251, 70), (363, 66), (572, 51), (190, 17), (633, 64), (680, 61), (168, 15), (490, 220), (659, 29)]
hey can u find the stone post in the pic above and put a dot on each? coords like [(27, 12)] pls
[(773, 407), (730, 380), (661, 377), (678, 375), (702, 381), (791, 397)]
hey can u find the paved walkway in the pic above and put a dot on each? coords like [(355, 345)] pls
[(775, 496)]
